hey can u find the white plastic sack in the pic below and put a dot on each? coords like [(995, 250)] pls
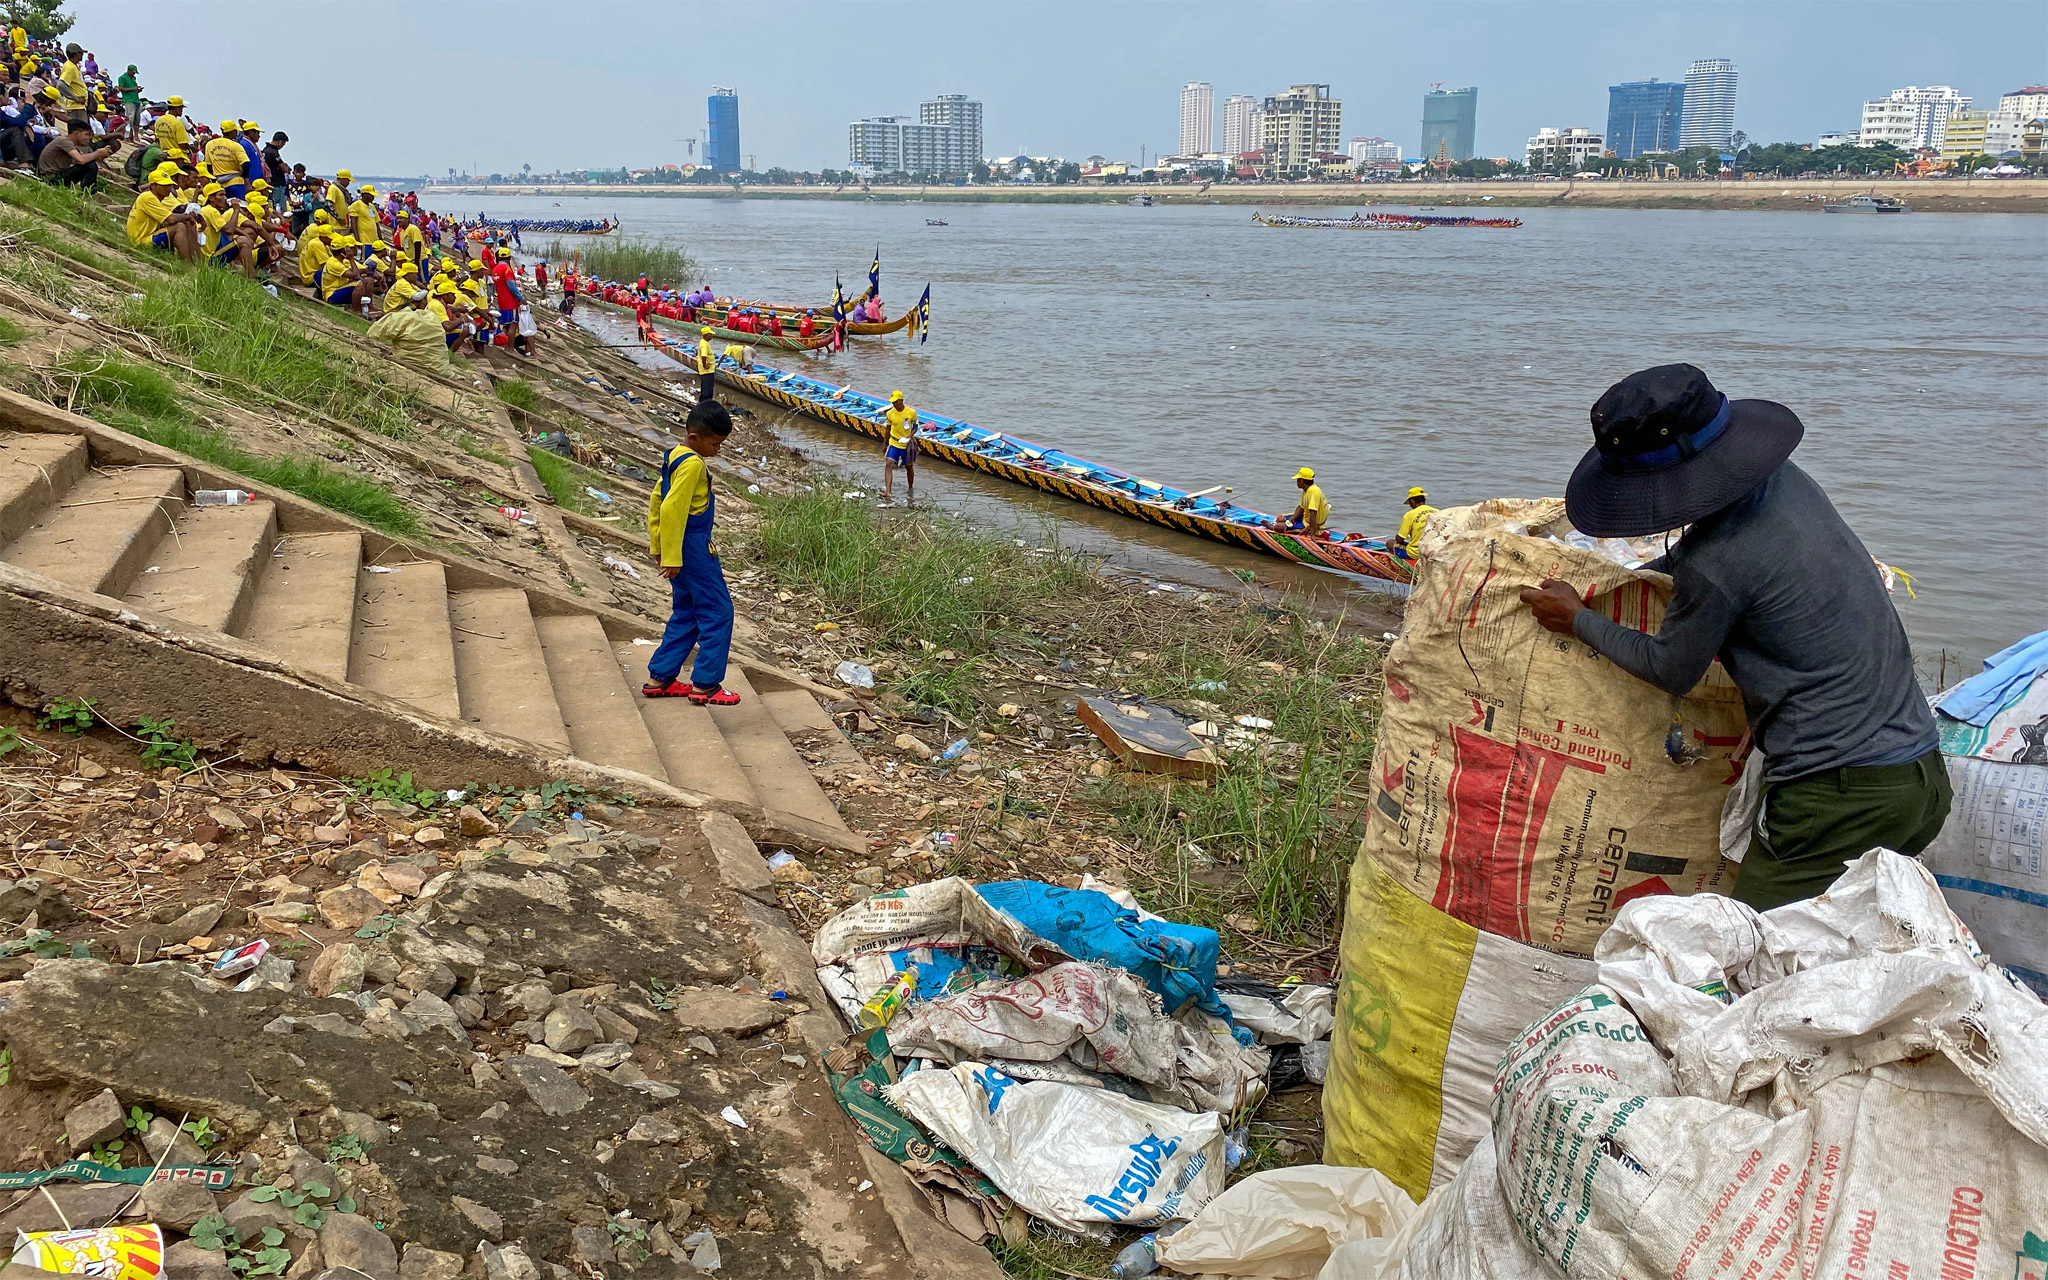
[(1991, 860), (1305, 1014), (1082, 1159), (1283, 1223), (1841, 1087), (1103, 1018)]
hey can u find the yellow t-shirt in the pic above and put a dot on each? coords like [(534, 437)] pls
[(146, 217), (213, 223), (365, 219), (1412, 522), (224, 160), (20, 37), (689, 492), (1313, 503), (412, 242), (71, 87), (706, 359), (475, 291), (313, 254), (439, 312), (335, 277), (902, 426), (338, 199), (172, 135)]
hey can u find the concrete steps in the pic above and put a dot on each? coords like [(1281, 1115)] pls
[(349, 608)]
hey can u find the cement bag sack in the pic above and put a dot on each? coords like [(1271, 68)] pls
[(1426, 1007), (1083, 1159), (1839, 1087), (1282, 1224), (1524, 783), (1991, 859)]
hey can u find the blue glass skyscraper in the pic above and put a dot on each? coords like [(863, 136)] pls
[(1644, 116), (722, 147)]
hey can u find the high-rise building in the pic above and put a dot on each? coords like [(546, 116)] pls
[(961, 114), (1197, 118), (2030, 103), (1643, 115), (1298, 126), (1450, 118), (1365, 151), (722, 146), (1570, 149), (1912, 118), (1240, 134), (1709, 104), (945, 140)]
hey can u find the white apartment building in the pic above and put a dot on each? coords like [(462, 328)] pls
[(1298, 126), (1708, 118), (1366, 151), (1197, 118), (1912, 118), (946, 140), (961, 114), (1576, 147), (2030, 103), (1240, 124)]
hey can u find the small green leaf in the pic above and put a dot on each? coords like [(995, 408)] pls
[(271, 1262), (317, 1190), (347, 1204), (272, 1237), (309, 1215), (290, 1199), (264, 1195)]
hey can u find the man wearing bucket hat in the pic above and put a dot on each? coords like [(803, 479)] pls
[(1770, 579)]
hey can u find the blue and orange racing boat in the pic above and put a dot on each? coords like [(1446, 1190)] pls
[(1037, 466)]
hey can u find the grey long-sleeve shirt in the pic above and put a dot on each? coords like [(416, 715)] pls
[(1785, 595)]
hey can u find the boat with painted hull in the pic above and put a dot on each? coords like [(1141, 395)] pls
[(690, 329), (1054, 471)]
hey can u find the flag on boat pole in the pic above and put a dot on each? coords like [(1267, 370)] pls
[(875, 275), (924, 315), (838, 315)]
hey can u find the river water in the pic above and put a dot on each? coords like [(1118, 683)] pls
[(1192, 347)]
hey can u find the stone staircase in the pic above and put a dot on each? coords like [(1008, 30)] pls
[(281, 590)]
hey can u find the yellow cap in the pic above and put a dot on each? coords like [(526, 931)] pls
[(322, 216), (1417, 492), (408, 269), (405, 213), (504, 252), (369, 190), (261, 184), (476, 264), (706, 331), (229, 126), (212, 189), (896, 397), (250, 124), (446, 286), (50, 92), (1306, 473), (344, 242), (344, 175), (174, 101), (161, 176)]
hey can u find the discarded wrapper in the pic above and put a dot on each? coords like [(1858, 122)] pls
[(110, 1253), (241, 959)]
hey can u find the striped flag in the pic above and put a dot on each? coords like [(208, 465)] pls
[(924, 315)]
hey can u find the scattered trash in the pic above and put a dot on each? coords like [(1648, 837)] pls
[(380, 568), (241, 959), (1151, 739), (1297, 1014), (1139, 1258), (823, 627), (110, 1253), (864, 1185), (731, 1116), (1288, 1222), (613, 562), (640, 640), (855, 675), (967, 582), (599, 494), (519, 514), (1315, 1061), (221, 497), (76, 314), (855, 493), (780, 858), (945, 841), (753, 488), (885, 1003), (954, 750), (1210, 686)]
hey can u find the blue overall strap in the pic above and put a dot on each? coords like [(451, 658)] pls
[(675, 459)]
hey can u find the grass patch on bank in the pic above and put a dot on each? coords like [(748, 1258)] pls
[(610, 258), (517, 392), (469, 445), (917, 576), (72, 207), (564, 481), (10, 332), (143, 402), (228, 326)]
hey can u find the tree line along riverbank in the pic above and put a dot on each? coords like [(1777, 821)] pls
[(2018, 195)]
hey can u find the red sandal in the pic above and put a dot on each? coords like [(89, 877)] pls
[(673, 689), (719, 697)]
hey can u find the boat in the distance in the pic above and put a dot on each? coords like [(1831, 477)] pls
[(1054, 471), (1142, 202), (553, 226), (935, 222), (1356, 222), (1868, 203)]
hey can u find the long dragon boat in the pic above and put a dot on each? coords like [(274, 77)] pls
[(1054, 471), (1429, 220), (1356, 222), (556, 226), (778, 342)]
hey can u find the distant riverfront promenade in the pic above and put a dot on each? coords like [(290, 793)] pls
[(1937, 195)]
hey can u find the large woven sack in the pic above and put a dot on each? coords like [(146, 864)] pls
[(1523, 783)]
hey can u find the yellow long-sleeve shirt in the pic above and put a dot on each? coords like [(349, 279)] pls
[(670, 506)]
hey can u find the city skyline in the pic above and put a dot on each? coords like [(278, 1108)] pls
[(1803, 71)]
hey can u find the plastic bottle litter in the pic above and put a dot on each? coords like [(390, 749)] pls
[(599, 494), (1139, 1258), (1234, 1148), (520, 514), (1209, 686), (884, 1004), (954, 749), (221, 497), (853, 673), (270, 289)]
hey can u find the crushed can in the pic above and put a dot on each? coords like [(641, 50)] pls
[(885, 1003)]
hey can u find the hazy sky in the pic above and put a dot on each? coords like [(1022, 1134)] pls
[(598, 83)]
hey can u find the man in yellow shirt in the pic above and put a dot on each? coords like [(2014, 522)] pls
[(173, 135), (19, 37), (222, 233), (342, 275), (338, 194), (1313, 513), (226, 162), (410, 240), (1412, 522), (706, 364), (71, 91), (153, 220), (401, 293), (901, 449), (680, 512), (313, 254), (362, 216)]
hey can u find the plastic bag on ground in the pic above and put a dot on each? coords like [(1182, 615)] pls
[(1282, 1224), (1299, 1014), (1991, 858), (1843, 1086), (1082, 1159)]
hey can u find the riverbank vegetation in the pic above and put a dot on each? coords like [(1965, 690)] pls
[(614, 258)]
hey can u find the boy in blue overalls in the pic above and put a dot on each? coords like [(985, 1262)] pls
[(679, 515)]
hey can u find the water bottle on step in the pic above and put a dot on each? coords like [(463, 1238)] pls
[(221, 497)]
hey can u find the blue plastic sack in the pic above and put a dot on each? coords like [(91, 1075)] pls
[(1178, 961)]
